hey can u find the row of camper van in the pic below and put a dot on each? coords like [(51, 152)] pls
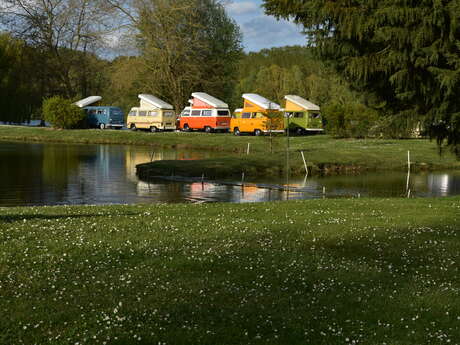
[(258, 116)]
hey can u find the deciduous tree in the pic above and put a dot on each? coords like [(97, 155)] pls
[(187, 46)]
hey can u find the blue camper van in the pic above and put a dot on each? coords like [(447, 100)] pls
[(105, 117), (101, 116)]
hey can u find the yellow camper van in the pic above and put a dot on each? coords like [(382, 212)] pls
[(259, 116), (153, 114)]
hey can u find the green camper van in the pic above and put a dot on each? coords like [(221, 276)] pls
[(302, 115)]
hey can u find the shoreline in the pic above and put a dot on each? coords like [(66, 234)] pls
[(324, 155)]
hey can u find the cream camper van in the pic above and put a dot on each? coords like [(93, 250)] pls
[(153, 114)]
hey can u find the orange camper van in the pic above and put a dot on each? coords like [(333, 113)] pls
[(206, 113), (259, 116)]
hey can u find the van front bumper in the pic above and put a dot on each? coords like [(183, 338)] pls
[(273, 131)]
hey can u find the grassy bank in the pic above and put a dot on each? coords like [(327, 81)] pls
[(323, 153), (329, 272), (95, 136)]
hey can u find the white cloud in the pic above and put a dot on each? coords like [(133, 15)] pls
[(267, 32), (242, 8)]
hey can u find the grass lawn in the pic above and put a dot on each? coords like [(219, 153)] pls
[(362, 271)]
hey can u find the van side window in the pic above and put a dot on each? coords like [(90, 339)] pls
[(168, 113), (298, 115), (253, 115), (315, 115), (246, 115), (185, 113), (92, 112), (153, 113), (196, 112), (222, 113), (132, 113), (206, 113), (142, 113)]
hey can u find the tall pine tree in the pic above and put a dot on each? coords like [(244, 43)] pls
[(405, 52)]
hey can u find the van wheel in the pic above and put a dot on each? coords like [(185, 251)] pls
[(257, 132), (186, 128), (236, 131), (133, 127), (153, 129), (102, 126), (299, 131), (208, 129)]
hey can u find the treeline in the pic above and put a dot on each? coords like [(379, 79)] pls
[(373, 69), (54, 48), (272, 73), (28, 75)]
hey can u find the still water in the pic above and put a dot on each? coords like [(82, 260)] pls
[(55, 174)]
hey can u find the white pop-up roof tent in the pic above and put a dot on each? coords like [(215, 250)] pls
[(85, 102), (209, 100), (261, 101), (302, 102), (149, 101)]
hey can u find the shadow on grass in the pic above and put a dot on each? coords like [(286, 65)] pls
[(11, 218)]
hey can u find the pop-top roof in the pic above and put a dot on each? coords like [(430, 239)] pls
[(155, 101), (261, 101), (87, 101), (302, 102), (212, 101)]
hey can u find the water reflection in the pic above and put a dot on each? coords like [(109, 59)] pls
[(49, 174)]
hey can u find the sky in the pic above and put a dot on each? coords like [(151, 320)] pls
[(262, 31)]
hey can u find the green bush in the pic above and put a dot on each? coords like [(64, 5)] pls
[(62, 113), (399, 126), (352, 120)]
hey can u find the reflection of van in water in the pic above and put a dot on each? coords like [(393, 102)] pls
[(101, 116), (206, 113), (253, 118), (152, 114), (303, 116)]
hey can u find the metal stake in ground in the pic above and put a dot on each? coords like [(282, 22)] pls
[(408, 171), (304, 163)]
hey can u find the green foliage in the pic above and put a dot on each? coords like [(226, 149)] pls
[(352, 120), (61, 113), (23, 85), (124, 82), (277, 72), (405, 54), (19, 92)]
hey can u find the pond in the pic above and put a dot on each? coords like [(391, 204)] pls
[(59, 174)]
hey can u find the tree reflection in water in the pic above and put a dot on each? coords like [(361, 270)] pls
[(49, 174)]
